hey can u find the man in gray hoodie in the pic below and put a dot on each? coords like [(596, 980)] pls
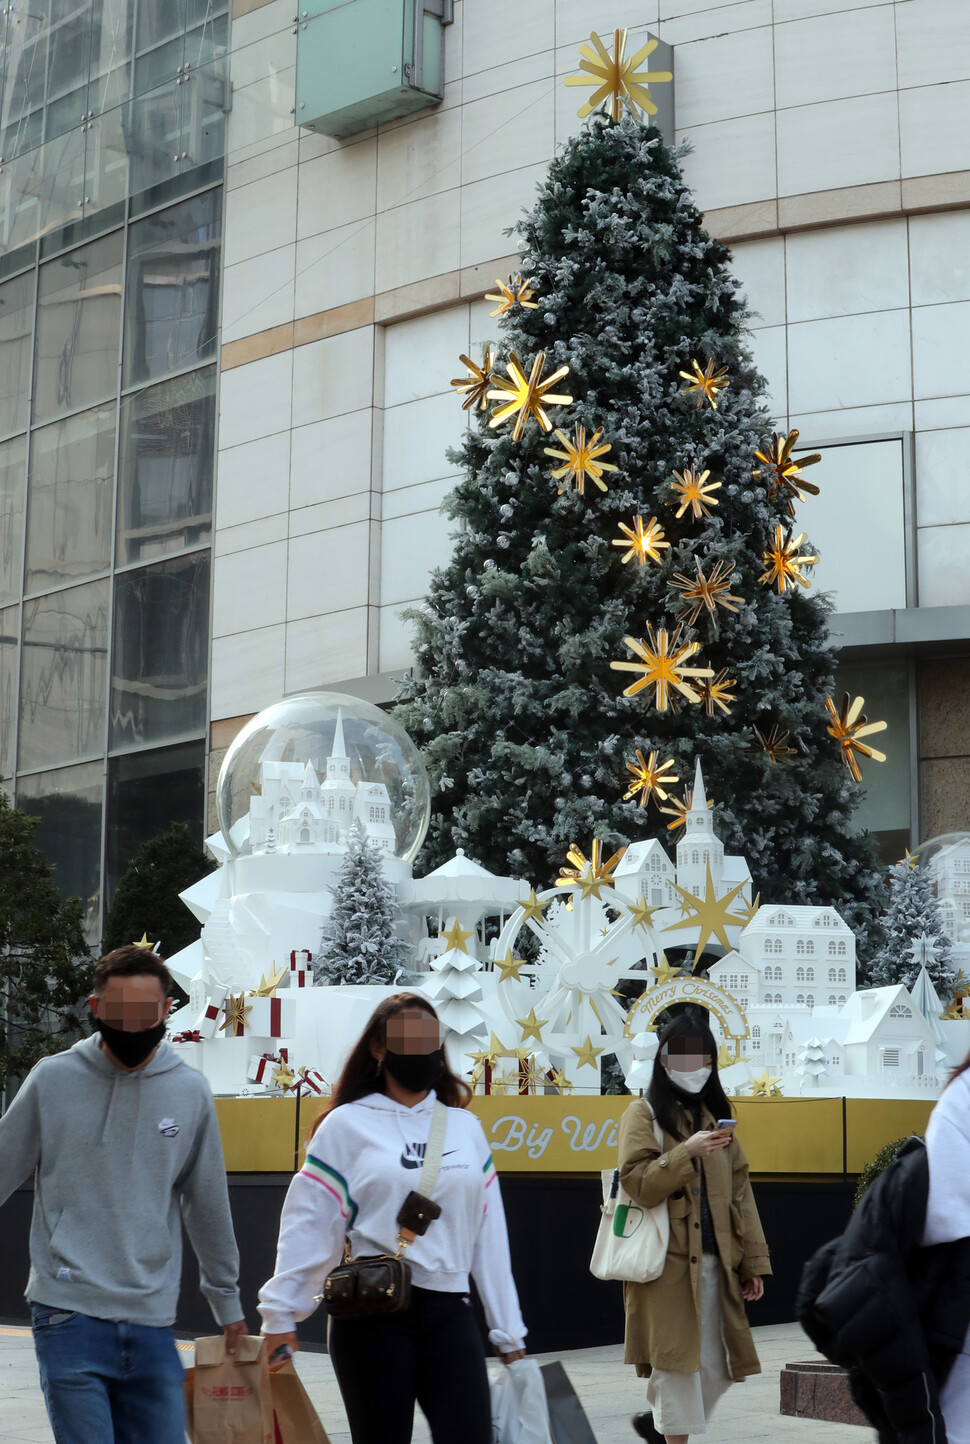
[(122, 1140)]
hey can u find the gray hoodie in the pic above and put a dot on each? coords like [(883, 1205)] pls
[(119, 1157)]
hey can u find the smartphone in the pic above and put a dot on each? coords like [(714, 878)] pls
[(726, 1124)]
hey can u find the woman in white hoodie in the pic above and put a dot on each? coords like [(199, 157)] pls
[(948, 1219), (361, 1163)]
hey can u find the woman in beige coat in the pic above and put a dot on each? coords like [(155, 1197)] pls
[(688, 1331)]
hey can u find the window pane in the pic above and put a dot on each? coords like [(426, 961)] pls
[(16, 345), (171, 315), (147, 792), (78, 320), (9, 653), (167, 442), (71, 491), (13, 467), (158, 681), (887, 786), (63, 676), (67, 803)]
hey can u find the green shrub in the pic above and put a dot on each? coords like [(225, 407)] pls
[(879, 1165)]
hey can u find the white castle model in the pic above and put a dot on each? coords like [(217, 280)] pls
[(295, 812)]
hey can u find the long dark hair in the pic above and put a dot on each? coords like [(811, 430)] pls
[(360, 1074), (671, 1107)]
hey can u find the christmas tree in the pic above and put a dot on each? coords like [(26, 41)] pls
[(455, 988), (147, 902), (529, 738), (913, 913), (360, 943)]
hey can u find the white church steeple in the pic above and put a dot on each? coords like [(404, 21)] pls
[(700, 844)]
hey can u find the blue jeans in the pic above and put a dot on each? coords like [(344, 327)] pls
[(108, 1383)]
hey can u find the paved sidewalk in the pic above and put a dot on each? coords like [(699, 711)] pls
[(610, 1393)]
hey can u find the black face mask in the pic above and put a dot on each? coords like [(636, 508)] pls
[(131, 1049), (414, 1071)]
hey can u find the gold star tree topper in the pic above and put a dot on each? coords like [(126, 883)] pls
[(581, 458), (702, 592), (848, 726), (643, 542), (694, 491), (618, 79), (523, 396), (781, 472), (474, 386), (784, 562), (651, 779), (514, 292), (705, 384), (589, 874), (710, 914), (144, 944), (456, 936), (662, 666)]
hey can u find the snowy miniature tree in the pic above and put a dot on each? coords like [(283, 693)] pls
[(524, 724), (360, 943), (912, 912)]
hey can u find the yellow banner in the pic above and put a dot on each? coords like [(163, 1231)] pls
[(543, 1134)]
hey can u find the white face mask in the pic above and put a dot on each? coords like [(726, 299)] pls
[(691, 1081)]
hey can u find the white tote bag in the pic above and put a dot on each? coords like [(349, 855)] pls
[(631, 1242)]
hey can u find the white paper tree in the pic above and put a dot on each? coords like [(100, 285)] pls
[(456, 991), (811, 1062)]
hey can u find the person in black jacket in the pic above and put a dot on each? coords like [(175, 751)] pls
[(893, 1313)]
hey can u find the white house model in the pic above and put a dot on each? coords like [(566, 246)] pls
[(296, 812)]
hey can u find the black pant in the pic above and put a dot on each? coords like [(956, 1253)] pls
[(430, 1354)]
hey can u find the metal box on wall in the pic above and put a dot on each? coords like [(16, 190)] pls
[(362, 62)]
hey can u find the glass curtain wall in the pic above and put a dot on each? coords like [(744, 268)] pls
[(111, 132)]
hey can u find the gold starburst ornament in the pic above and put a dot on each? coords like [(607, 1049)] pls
[(765, 1086), (848, 726), (589, 873), (523, 396), (716, 692), (694, 490), (618, 79), (663, 666), (474, 386), (710, 914), (514, 292), (705, 384), (581, 458), (700, 592), (645, 542), (773, 743), (785, 562), (267, 986), (781, 472), (236, 1010), (651, 779)]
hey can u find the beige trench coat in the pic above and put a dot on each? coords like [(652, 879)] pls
[(663, 1318)]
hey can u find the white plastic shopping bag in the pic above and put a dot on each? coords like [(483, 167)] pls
[(520, 1414)]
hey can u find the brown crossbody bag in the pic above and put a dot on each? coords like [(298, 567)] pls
[(377, 1284)]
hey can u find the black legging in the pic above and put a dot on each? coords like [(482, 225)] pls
[(430, 1354)]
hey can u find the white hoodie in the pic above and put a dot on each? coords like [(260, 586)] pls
[(362, 1162), (948, 1218)]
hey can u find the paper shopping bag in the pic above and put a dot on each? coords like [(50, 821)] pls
[(566, 1414), (231, 1400), (294, 1417)]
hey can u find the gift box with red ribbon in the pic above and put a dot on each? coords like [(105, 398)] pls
[(301, 961), (309, 1080), (208, 1020), (191, 1035), (271, 1017), (261, 1065)]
